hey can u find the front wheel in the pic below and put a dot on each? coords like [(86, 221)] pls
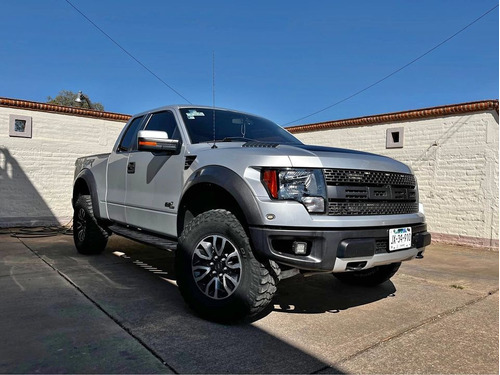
[(217, 273), (370, 277)]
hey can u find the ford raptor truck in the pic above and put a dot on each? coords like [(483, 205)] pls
[(243, 204)]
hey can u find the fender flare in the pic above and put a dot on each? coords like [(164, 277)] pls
[(87, 176), (233, 184)]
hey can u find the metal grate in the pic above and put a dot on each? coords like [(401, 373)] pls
[(360, 192), (189, 160), (373, 178), (260, 144), (371, 208), (381, 246)]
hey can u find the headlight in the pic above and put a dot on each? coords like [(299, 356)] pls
[(303, 185)]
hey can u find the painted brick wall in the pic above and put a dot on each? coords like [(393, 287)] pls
[(455, 159), (36, 174)]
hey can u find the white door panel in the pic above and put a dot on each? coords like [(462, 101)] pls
[(153, 191)]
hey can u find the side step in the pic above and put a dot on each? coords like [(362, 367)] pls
[(149, 239)]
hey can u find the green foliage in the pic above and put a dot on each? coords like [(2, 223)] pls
[(67, 98)]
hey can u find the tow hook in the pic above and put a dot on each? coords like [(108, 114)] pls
[(420, 255)]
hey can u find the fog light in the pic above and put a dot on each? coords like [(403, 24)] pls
[(299, 248)]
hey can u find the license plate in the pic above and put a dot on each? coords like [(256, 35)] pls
[(399, 238)]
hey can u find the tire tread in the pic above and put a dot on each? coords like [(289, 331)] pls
[(263, 283), (96, 237)]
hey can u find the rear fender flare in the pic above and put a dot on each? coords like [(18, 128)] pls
[(88, 178)]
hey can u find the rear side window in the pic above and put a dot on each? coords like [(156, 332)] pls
[(130, 135), (164, 121)]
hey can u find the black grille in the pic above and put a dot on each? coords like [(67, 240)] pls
[(355, 177), (358, 192), (371, 208), (381, 246), (189, 160), (260, 144)]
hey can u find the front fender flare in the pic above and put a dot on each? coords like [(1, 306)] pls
[(232, 183)]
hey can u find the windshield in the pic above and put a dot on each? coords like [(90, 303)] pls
[(232, 126)]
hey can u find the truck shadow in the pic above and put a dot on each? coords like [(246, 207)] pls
[(324, 293), (314, 294)]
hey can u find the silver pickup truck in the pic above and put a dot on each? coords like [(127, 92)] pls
[(243, 204)]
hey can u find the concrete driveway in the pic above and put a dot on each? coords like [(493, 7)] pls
[(120, 312)]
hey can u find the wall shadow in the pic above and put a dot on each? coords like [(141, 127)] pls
[(431, 151), (20, 202)]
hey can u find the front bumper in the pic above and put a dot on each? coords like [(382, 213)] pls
[(336, 250)]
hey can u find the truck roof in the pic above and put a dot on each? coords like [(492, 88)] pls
[(180, 106)]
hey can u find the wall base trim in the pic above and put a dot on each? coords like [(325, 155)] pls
[(31, 222), (465, 240)]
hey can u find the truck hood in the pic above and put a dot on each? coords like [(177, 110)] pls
[(331, 157), (237, 155)]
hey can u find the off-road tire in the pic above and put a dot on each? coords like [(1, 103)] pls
[(256, 282), (370, 277), (89, 237)]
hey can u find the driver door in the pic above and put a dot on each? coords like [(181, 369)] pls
[(116, 172), (155, 181)]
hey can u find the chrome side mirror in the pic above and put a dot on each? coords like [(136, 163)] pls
[(157, 141)]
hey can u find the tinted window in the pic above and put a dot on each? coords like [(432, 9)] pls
[(231, 125), (130, 135), (164, 121)]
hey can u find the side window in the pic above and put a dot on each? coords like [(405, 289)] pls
[(130, 135), (164, 121)]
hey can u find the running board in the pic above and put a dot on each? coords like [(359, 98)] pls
[(144, 237)]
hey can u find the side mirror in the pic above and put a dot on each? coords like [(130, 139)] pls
[(157, 141)]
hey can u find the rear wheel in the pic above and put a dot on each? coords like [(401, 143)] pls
[(370, 277), (88, 235), (217, 273)]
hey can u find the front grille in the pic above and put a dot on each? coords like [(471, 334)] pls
[(359, 192), (355, 177)]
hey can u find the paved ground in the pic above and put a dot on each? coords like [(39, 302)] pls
[(120, 312)]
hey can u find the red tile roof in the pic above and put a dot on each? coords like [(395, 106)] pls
[(46, 107), (440, 111), (445, 110)]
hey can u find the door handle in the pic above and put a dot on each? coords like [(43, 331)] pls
[(131, 167)]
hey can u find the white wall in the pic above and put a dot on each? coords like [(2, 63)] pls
[(455, 159), (36, 174)]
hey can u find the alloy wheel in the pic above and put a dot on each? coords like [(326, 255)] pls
[(81, 224), (216, 267)]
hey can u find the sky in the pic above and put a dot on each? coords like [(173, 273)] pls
[(284, 60)]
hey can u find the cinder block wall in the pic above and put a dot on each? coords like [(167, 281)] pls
[(455, 159), (36, 174)]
